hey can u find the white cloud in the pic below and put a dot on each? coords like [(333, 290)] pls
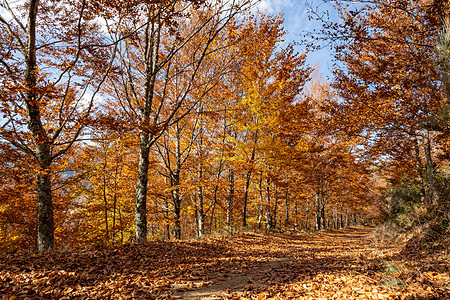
[(274, 6)]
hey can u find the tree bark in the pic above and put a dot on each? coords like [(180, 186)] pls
[(295, 214), (269, 215), (286, 205), (247, 183), (261, 203), (45, 227), (318, 214), (105, 198), (176, 201), (433, 192), (177, 215), (200, 211), (230, 197), (275, 209), (244, 203), (322, 213), (141, 190)]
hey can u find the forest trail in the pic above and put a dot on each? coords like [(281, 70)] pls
[(279, 260), (340, 264)]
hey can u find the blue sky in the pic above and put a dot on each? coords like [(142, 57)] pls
[(297, 22)]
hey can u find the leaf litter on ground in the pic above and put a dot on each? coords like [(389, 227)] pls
[(339, 264)]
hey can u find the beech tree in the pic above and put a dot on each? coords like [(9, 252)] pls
[(53, 60), (393, 81), (270, 78), (151, 62), (105, 170)]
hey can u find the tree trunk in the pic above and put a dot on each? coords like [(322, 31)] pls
[(420, 175), (318, 214), (177, 217), (116, 178), (212, 221), (201, 212), (244, 203), (176, 201), (45, 226), (295, 214), (275, 209), (269, 216), (334, 219), (105, 198), (247, 183), (307, 214), (433, 193), (230, 197), (286, 204), (121, 225), (141, 190), (45, 229), (261, 203), (322, 211)]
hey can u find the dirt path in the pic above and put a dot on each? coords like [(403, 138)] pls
[(276, 260), (237, 281), (342, 264)]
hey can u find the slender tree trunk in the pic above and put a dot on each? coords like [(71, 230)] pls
[(318, 214), (322, 213), (116, 183), (286, 205), (212, 221), (105, 199), (141, 190), (230, 198), (176, 201), (261, 203), (244, 204), (114, 231), (419, 169), (200, 212), (275, 209), (177, 217), (260, 216), (295, 214), (200, 208), (307, 214), (269, 215), (216, 186), (334, 219), (113, 237), (430, 171), (120, 224), (247, 183)]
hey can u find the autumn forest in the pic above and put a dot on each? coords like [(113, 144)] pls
[(131, 122)]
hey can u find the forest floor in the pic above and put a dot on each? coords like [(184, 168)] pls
[(340, 264)]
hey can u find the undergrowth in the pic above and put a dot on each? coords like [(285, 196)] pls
[(413, 221)]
